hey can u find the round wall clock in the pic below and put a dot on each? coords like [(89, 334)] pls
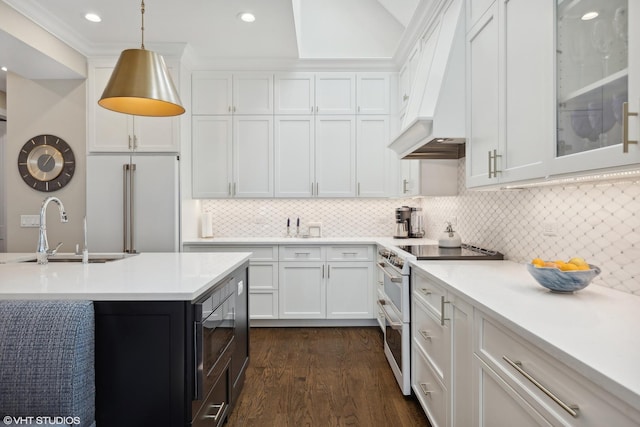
[(46, 163)]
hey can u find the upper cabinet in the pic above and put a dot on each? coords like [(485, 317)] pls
[(373, 93), (111, 132), (598, 72), (214, 93), (509, 91), (335, 93), (294, 93)]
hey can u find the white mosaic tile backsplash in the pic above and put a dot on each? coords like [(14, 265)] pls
[(597, 221)]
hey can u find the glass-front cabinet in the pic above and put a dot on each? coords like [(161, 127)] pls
[(597, 72)]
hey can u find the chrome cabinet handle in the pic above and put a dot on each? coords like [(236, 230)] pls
[(425, 291), (323, 271), (234, 189), (302, 253), (425, 335), (572, 409), (329, 271), (489, 169), (625, 127), (229, 108), (317, 189), (358, 191), (425, 390), (404, 186), (391, 277), (442, 303), (135, 142), (130, 144), (358, 108), (215, 417), (234, 108), (405, 97), (312, 193), (493, 158)]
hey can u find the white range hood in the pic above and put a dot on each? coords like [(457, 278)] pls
[(434, 123)]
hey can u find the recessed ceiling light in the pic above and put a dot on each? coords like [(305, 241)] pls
[(590, 15), (247, 16), (3, 69), (92, 17)]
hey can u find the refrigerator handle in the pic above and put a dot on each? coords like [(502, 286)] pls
[(132, 243), (125, 217)]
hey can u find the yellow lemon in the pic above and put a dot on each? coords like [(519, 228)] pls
[(568, 267), (538, 262), (579, 262)]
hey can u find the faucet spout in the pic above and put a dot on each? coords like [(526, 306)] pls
[(43, 252)]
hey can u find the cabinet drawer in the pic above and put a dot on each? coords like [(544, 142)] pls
[(258, 253), (263, 275), (428, 389), (350, 253), (428, 291), (521, 364), (429, 335), (263, 305), (302, 253)]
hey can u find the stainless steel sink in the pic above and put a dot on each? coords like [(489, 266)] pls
[(93, 258)]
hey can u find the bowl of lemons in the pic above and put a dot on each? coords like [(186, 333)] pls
[(563, 276)]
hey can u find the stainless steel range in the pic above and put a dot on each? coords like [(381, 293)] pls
[(394, 297)]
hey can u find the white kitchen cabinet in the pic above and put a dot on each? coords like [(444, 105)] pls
[(405, 78), (302, 290), (372, 174), (350, 290), (211, 158), (509, 94), (598, 69), (335, 156), (215, 92), (294, 93), (294, 156), (232, 156), (475, 9), (529, 384), (252, 156), (372, 91), (409, 178), (110, 132), (335, 93)]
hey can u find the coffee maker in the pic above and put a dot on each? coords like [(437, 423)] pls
[(403, 222), (408, 223)]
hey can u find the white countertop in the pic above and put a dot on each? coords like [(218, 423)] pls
[(147, 276), (593, 330), (367, 240)]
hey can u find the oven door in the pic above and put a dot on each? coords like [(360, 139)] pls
[(396, 345)]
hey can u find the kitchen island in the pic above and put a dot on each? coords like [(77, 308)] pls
[(154, 363)]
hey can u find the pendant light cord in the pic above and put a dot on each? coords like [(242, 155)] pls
[(142, 27)]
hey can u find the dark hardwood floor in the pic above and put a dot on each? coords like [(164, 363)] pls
[(319, 377)]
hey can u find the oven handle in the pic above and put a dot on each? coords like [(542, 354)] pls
[(391, 277), (394, 322)]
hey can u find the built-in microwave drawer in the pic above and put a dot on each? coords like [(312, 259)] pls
[(214, 410), (302, 253), (546, 383), (428, 291), (350, 253)]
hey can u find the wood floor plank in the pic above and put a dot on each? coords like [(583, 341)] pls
[(316, 377)]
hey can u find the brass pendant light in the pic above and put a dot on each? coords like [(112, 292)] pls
[(141, 85)]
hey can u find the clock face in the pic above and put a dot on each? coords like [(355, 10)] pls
[(46, 163)]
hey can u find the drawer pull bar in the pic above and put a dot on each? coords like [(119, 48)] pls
[(571, 409), (425, 335), (425, 390), (425, 291), (442, 303), (215, 417), (302, 253), (349, 253), (390, 276)]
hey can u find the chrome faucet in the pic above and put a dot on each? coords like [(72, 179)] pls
[(43, 252)]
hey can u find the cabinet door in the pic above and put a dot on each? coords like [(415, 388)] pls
[(373, 93), (335, 156), (529, 78), (211, 156), (253, 93), (211, 92), (405, 78), (156, 134), (409, 178), (372, 137), (294, 156), (263, 305), (483, 89), (350, 290), (335, 93), (461, 369), (302, 293), (108, 131), (294, 93), (253, 156)]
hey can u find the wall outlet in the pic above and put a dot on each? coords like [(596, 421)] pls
[(29, 220), (550, 228)]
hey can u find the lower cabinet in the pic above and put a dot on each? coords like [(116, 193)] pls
[(302, 293)]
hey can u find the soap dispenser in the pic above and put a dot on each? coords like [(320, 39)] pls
[(449, 239)]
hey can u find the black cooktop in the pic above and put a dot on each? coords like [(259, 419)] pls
[(466, 252)]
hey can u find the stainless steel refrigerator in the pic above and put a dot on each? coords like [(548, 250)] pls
[(133, 203)]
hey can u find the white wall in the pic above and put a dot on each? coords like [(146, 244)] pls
[(55, 107)]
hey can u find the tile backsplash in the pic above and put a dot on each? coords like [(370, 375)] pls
[(599, 221)]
